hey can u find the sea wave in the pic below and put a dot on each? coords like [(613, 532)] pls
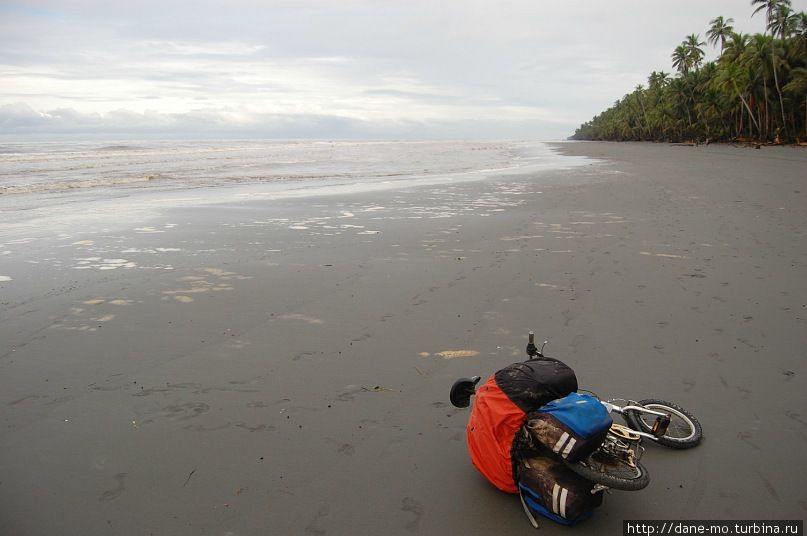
[(118, 148), (62, 186), (48, 168)]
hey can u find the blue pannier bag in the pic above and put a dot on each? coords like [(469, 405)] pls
[(572, 427), (550, 489)]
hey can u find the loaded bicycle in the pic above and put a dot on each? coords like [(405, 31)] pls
[(533, 432)]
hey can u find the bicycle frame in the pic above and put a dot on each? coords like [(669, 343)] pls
[(662, 419), (658, 429)]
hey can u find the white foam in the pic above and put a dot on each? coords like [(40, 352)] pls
[(252, 170)]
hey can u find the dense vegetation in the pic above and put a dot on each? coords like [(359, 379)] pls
[(755, 90)]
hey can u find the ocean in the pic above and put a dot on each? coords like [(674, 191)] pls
[(57, 180), (51, 167)]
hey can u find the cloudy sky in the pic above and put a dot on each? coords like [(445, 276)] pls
[(333, 69)]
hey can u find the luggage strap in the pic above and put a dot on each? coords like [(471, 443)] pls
[(532, 519)]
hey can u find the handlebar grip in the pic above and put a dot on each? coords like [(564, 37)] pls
[(532, 351)]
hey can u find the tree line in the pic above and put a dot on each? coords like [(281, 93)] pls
[(755, 90)]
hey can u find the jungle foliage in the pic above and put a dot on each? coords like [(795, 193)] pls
[(755, 90)]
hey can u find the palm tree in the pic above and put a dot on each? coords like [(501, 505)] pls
[(657, 85), (735, 48), (755, 61), (798, 87), (680, 95), (721, 29), (638, 95), (771, 7), (658, 79), (693, 46), (784, 22), (681, 59), (731, 78), (710, 102), (724, 99), (801, 33)]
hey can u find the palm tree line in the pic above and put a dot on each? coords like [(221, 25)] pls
[(755, 90)]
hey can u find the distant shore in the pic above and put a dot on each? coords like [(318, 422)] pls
[(729, 98), (282, 366), (755, 144)]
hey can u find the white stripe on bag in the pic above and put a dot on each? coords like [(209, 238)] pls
[(563, 502), (569, 446), (560, 442), (555, 491)]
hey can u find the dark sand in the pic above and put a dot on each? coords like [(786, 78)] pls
[(282, 377)]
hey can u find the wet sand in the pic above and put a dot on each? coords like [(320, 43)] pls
[(282, 367)]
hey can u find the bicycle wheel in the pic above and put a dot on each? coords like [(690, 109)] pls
[(609, 471), (684, 431)]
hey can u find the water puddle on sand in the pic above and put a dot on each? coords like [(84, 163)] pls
[(214, 280), (98, 263), (302, 318), (664, 255), (450, 354), (87, 318)]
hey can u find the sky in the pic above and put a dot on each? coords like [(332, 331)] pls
[(366, 69)]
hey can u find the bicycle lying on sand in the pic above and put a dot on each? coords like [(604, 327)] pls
[(609, 457), (616, 463)]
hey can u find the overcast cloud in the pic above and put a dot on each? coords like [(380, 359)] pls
[(333, 69)]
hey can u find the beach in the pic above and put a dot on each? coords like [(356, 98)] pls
[(281, 364)]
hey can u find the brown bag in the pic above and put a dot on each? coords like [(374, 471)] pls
[(550, 489)]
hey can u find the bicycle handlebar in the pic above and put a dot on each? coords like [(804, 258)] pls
[(532, 350)]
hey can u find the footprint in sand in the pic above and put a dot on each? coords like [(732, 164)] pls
[(114, 493), (414, 507)]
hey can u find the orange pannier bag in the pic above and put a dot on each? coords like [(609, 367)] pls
[(500, 408)]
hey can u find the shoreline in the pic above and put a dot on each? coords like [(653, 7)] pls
[(78, 201), (748, 143), (280, 366)]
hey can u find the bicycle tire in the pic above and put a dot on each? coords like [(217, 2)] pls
[(608, 471), (681, 419)]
